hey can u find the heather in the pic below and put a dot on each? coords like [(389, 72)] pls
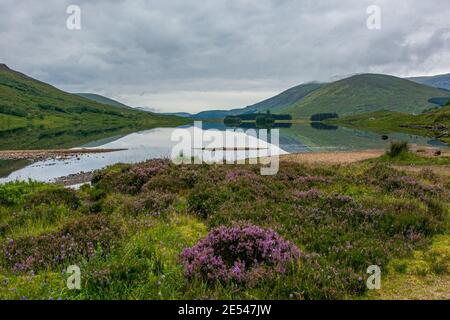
[(155, 230), (241, 254)]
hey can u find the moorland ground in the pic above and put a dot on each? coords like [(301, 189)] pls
[(127, 230)]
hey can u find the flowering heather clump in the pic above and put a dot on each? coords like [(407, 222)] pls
[(411, 185), (236, 174), (239, 254), (339, 199), (310, 195), (77, 239), (129, 179), (153, 201)]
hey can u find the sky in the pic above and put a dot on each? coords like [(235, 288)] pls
[(194, 55)]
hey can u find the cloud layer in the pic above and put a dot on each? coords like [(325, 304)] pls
[(180, 55)]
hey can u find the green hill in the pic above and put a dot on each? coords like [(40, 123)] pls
[(102, 99), (273, 104), (284, 99), (366, 93), (31, 107), (434, 123)]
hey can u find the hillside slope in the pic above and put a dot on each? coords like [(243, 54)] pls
[(434, 123), (34, 114), (102, 99), (25, 97), (366, 93), (438, 81), (285, 98)]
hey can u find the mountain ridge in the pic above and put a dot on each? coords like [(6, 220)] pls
[(437, 81)]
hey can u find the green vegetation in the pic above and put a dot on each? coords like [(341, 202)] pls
[(434, 123), (127, 230), (354, 95), (323, 116), (398, 153), (232, 121), (103, 100), (30, 109), (424, 275), (396, 148), (366, 93)]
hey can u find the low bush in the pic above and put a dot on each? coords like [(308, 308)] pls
[(396, 148), (153, 201), (55, 196), (79, 239), (241, 254)]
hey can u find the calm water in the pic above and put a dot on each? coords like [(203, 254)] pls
[(156, 143)]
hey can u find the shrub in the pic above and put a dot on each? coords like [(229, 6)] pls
[(128, 179), (78, 239), (57, 196), (397, 147), (239, 254), (203, 200), (154, 201), (14, 193), (310, 195)]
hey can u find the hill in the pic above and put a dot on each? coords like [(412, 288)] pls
[(285, 98), (434, 123), (353, 95), (366, 93), (438, 81), (31, 107), (102, 99)]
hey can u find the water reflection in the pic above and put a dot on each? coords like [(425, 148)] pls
[(156, 143)]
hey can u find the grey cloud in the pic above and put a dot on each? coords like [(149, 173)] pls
[(167, 48)]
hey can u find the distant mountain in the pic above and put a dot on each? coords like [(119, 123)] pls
[(102, 99), (178, 114), (366, 93), (285, 98), (25, 101), (356, 94), (438, 81)]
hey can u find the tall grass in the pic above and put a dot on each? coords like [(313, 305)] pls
[(396, 148)]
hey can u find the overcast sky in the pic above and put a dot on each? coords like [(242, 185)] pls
[(188, 55)]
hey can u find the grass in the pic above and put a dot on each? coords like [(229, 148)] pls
[(127, 230), (424, 275)]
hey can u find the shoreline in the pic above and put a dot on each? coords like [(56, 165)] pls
[(324, 157), (36, 155)]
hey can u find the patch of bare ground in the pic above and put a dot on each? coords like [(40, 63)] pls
[(332, 157), (75, 179), (36, 155), (440, 170)]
